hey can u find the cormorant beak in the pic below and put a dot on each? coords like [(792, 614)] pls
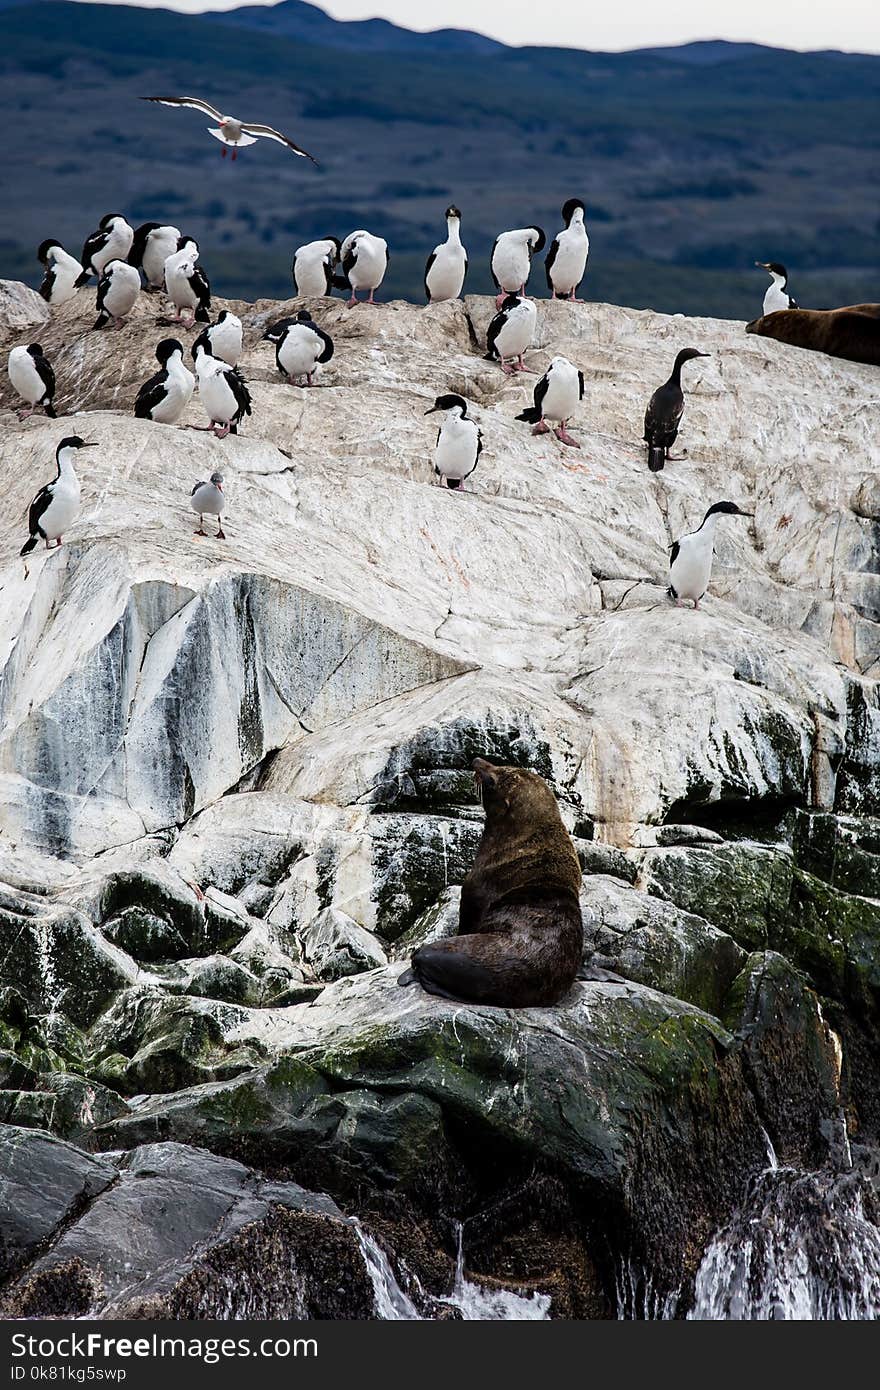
[(704, 354), (92, 445), (762, 265), (433, 410)]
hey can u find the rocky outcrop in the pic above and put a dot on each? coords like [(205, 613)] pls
[(235, 793)]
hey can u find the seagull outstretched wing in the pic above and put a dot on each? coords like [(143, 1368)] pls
[(192, 102), (270, 134)]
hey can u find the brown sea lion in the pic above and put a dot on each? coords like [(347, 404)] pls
[(852, 332), (520, 930)]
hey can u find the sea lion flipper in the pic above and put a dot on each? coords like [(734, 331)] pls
[(452, 970), (408, 977)]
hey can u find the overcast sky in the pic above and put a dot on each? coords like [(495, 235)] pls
[(847, 24)]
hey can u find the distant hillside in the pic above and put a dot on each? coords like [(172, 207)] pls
[(295, 19), (693, 162)]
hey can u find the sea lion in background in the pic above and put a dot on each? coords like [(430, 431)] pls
[(852, 333), (520, 930)]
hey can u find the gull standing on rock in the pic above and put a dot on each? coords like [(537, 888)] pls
[(300, 345), (209, 499), (231, 131), (665, 409), (222, 338), (557, 394), (777, 295), (152, 245), (62, 272), (459, 442), (111, 241), (55, 507), (511, 260), (223, 393), (690, 557), (313, 266), (32, 377), (119, 286), (186, 284), (447, 263), (566, 262), (364, 263), (167, 394), (511, 332)]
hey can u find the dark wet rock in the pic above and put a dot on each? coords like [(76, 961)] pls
[(842, 850), (793, 1061), (151, 1041), (180, 1233), (380, 1084), (596, 858), (60, 963), (335, 945), (214, 977), (145, 935), (666, 835), (440, 920), (741, 888), (414, 859), (652, 942), (44, 1182)]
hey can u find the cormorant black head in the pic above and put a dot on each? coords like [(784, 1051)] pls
[(570, 208), (452, 211), (449, 402), (186, 241), (35, 350), (44, 248), (166, 349), (510, 301), (108, 218), (537, 244), (687, 354), (223, 316), (774, 267), (276, 331), (729, 507), (73, 441), (304, 316)]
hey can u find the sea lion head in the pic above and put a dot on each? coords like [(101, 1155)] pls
[(504, 790)]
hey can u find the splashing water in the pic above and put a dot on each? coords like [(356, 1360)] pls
[(479, 1304), (638, 1300), (474, 1302), (803, 1246), (392, 1304)]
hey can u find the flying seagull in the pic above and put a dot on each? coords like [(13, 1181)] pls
[(232, 132)]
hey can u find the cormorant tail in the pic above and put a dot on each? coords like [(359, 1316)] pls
[(29, 545), (531, 415), (656, 457)]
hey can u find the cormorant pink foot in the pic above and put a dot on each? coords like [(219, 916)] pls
[(541, 428), (564, 437)]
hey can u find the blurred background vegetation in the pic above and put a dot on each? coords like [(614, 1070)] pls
[(693, 162)]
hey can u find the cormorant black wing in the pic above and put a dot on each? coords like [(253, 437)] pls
[(149, 395), (551, 257), (430, 261)]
